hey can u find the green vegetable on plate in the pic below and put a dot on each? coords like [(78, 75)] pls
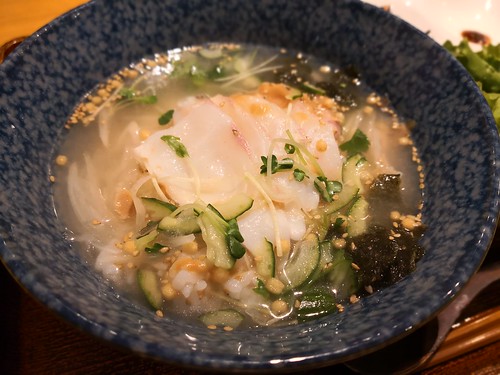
[(484, 67)]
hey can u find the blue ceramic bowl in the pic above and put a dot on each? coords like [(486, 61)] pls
[(45, 78)]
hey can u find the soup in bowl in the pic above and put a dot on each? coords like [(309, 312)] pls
[(236, 186)]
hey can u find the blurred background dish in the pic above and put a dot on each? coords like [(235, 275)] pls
[(445, 20), (33, 274)]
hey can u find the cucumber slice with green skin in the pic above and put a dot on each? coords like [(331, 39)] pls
[(180, 225), (265, 261), (157, 209), (150, 285), (315, 304), (142, 242), (234, 206), (213, 231), (351, 171), (346, 196), (325, 259), (222, 318), (357, 222), (342, 278), (304, 261)]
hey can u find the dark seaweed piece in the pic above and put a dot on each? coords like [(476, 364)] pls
[(339, 91), (384, 257), (386, 186), (384, 196)]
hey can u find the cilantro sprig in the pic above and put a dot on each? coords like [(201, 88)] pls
[(327, 188), (359, 143)]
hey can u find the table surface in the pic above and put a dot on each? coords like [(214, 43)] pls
[(36, 341)]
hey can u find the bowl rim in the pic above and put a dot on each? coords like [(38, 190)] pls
[(44, 295)]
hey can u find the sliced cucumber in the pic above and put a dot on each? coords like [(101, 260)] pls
[(214, 233), (342, 278), (325, 259), (265, 261), (346, 196), (357, 223), (304, 261), (234, 206), (150, 285), (315, 304), (351, 171), (142, 242), (222, 318), (180, 225), (157, 209)]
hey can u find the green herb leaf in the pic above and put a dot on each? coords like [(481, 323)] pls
[(327, 188), (149, 99), (284, 164), (235, 247), (215, 73), (338, 223), (311, 89), (176, 145), (357, 144), (166, 117), (261, 289), (127, 93), (234, 231), (155, 249), (289, 149), (333, 187), (299, 175)]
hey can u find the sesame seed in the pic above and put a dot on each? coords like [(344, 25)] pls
[(395, 215), (61, 160), (228, 328), (321, 145), (325, 69), (368, 109), (339, 243), (159, 313)]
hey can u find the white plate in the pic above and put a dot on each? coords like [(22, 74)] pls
[(446, 19)]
